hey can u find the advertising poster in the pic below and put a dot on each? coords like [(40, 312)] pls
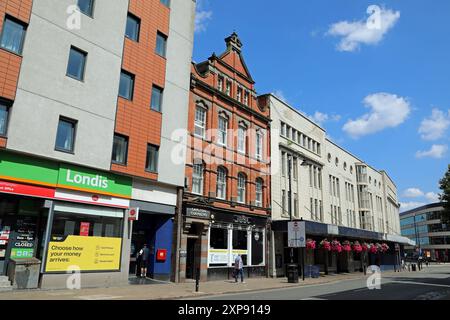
[(84, 253), (84, 229)]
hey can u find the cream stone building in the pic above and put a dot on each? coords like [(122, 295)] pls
[(339, 195)]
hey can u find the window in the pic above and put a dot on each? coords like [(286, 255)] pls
[(220, 83), (200, 122), (319, 178), (152, 158), (283, 202), (157, 97), (161, 44), (13, 35), (133, 26), (259, 193), (257, 248), (197, 179), (242, 181), (86, 7), (126, 86), (166, 3), (65, 135), (259, 144), (228, 88), (4, 111), (295, 168), (76, 65), (120, 149), (223, 128), (311, 178), (242, 135), (283, 129), (288, 132), (221, 183), (311, 207), (246, 97), (239, 95), (218, 238), (283, 164), (318, 149)]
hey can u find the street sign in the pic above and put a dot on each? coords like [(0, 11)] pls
[(133, 214), (297, 234)]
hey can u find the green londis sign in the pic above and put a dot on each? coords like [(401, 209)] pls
[(72, 177)]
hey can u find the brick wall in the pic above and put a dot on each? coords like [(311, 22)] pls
[(135, 119)]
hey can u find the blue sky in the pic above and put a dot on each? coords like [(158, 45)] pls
[(379, 82)]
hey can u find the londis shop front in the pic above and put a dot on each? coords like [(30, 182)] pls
[(78, 225)]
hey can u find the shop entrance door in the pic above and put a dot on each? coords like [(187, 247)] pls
[(192, 252)]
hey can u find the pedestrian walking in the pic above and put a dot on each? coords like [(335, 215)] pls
[(144, 254), (238, 269)]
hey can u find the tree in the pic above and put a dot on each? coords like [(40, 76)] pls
[(445, 195)]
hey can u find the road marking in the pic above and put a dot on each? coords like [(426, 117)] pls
[(422, 283), (311, 299)]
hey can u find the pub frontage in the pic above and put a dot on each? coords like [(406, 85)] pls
[(332, 249), (212, 238)]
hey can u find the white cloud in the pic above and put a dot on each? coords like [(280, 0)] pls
[(434, 127), (387, 111), (413, 193), (368, 32), (320, 118), (202, 16), (405, 206), (437, 151), (431, 196)]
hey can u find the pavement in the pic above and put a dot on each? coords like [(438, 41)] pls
[(262, 288)]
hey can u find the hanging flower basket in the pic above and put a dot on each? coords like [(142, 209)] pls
[(310, 244), (325, 245), (346, 246), (384, 247), (357, 247), (336, 246), (373, 248), (365, 247)]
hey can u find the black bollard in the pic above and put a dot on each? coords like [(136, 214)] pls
[(197, 280)]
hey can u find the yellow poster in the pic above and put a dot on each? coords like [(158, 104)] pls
[(83, 254)]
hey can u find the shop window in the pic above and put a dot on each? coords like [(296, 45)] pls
[(72, 224), (218, 238), (240, 240), (13, 35), (257, 248)]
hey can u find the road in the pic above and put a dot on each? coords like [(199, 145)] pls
[(432, 283)]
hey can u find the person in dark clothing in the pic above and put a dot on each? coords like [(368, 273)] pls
[(144, 254)]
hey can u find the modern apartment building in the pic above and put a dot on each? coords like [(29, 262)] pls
[(340, 196), (90, 94), (226, 205), (424, 226)]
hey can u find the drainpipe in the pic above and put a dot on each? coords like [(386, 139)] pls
[(179, 226)]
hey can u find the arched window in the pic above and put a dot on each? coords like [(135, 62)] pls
[(221, 190), (259, 192), (242, 181), (197, 178), (242, 139), (200, 122), (223, 130)]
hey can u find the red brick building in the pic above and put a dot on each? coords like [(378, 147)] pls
[(226, 204)]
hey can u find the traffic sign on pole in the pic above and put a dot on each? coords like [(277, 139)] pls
[(297, 234)]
